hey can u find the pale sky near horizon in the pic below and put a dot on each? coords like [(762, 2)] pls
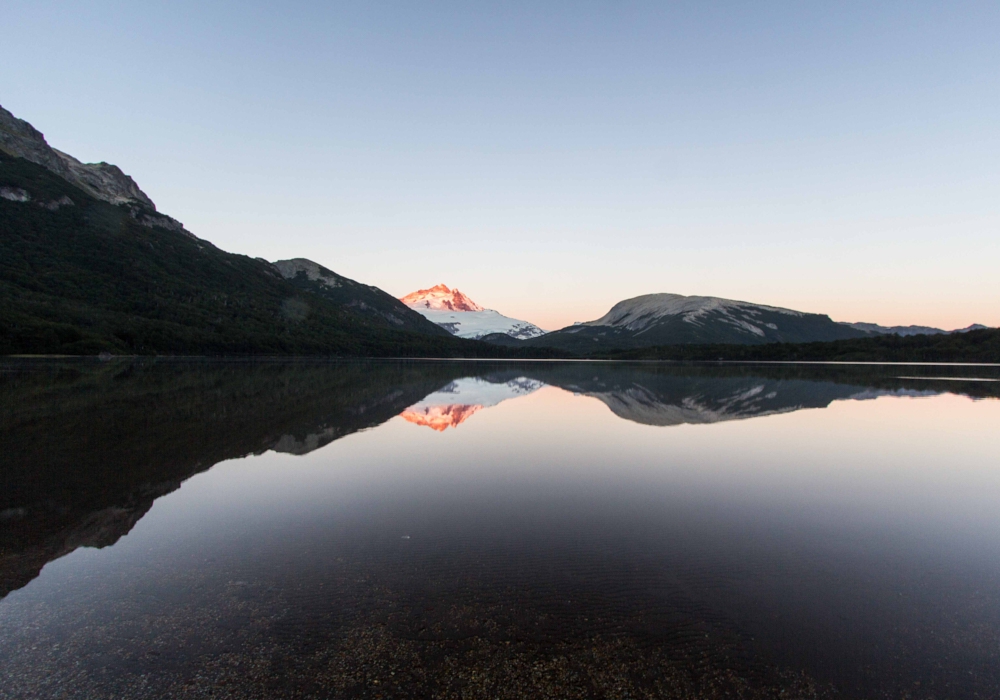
[(552, 158)]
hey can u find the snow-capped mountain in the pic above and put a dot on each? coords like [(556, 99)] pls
[(461, 316), (440, 298), (670, 319)]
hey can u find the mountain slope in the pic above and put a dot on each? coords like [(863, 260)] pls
[(361, 299), (88, 265), (672, 319), (458, 314), (103, 181), (80, 275)]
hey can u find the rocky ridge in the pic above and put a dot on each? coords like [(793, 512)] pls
[(101, 180)]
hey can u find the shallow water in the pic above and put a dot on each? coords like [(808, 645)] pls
[(471, 530)]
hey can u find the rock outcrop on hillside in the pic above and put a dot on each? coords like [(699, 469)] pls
[(101, 180)]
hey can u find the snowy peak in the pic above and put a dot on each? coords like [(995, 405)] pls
[(440, 298), (461, 316)]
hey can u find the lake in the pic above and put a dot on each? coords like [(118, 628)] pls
[(498, 530)]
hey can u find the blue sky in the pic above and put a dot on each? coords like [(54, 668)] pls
[(550, 159)]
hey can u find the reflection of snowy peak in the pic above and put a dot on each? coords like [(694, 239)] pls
[(439, 418), (456, 402), (481, 391), (461, 316)]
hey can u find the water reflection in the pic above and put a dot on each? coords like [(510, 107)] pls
[(650, 396), (545, 548), (88, 447), (455, 403)]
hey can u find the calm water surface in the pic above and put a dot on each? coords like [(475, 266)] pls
[(464, 530)]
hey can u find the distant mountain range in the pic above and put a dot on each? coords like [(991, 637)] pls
[(458, 314), (672, 319), (88, 265), (875, 329)]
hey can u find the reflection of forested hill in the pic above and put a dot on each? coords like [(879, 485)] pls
[(87, 447)]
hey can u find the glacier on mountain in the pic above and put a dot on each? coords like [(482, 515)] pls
[(476, 324), (459, 315)]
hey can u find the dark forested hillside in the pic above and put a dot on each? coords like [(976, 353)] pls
[(81, 276), (360, 299)]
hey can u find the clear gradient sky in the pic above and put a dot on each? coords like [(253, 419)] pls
[(552, 158)]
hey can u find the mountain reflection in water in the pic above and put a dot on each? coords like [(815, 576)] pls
[(551, 551), (453, 404), (647, 397)]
